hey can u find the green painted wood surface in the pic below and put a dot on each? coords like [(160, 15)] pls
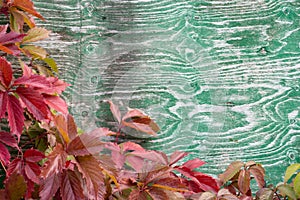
[(221, 78)]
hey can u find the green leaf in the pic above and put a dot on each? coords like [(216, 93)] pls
[(16, 187), (36, 34), (231, 171), (287, 190), (51, 62), (297, 184), (290, 171)]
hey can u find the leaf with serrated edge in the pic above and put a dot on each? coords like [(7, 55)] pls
[(34, 102), (176, 156), (52, 64), (33, 155), (35, 51), (56, 103), (71, 186), (36, 34), (290, 171), (232, 170), (33, 80), (6, 72), (287, 190), (4, 155), (85, 144), (92, 173), (49, 186), (244, 181), (8, 139), (3, 103), (15, 116), (258, 173)]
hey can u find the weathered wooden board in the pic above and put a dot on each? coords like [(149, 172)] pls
[(221, 78)]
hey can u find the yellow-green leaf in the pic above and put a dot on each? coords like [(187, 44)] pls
[(290, 171), (297, 184), (287, 190), (51, 62), (36, 34), (35, 51)]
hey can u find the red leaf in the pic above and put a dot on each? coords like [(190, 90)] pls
[(56, 162), (34, 80), (71, 186), (58, 86), (131, 146), (27, 6), (49, 186), (15, 116), (207, 183), (34, 102), (4, 155), (85, 144), (5, 72), (258, 173), (8, 139), (193, 164), (33, 155), (244, 181), (156, 156), (14, 166), (3, 103), (92, 173), (32, 172), (115, 111), (176, 156), (56, 103), (15, 187)]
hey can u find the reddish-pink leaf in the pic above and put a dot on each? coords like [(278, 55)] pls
[(34, 102), (4, 155), (66, 127), (101, 132), (258, 173), (15, 115), (30, 189), (5, 72), (34, 80), (58, 86), (140, 127), (85, 144), (138, 195), (8, 139), (14, 166), (32, 172), (156, 156), (15, 187), (231, 171), (206, 182), (56, 162), (92, 173), (131, 146), (244, 181), (33, 155), (71, 186), (49, 186), (3, 103), (11, 37), (176, 156), (158, 194), (115, 111), (56, 103), (193, 164), (134, 113)]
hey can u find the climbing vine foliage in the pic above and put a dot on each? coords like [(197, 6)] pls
[(44, 155)]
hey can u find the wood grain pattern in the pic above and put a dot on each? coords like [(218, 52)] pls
[(221, 78)]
